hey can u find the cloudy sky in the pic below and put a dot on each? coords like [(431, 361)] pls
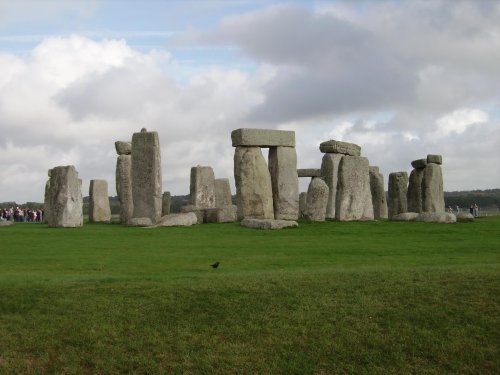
[(400, 78)]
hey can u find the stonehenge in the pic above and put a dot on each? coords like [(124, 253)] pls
[(99, 209), (166, 200), (398, 186), (378, 193), (316, 198), (63, 198), (284, 182), (124, 181)]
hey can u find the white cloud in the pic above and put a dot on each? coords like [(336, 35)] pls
[(458, 121)]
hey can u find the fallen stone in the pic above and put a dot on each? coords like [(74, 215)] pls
[(123, 148), (173, 220), (405, 216), (285, 182), (398, 189), (419, 163), (99, 209), (225, 214), (435, 159), (354, 197), (309, 172), (146, 175), (5, 223), (339, 147), (329, 173), (64, 202), (436, 217), (202, 187), (432, 189), (140, 222), (465, 217), (262, 138), (199, 212), (254, 192), (316, 199), (268, 223)]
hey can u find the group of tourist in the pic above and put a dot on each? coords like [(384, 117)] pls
[(474, 210), (21, 214)]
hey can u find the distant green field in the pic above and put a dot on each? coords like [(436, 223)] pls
[(325, 298)]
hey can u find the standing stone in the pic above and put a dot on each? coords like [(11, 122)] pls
[(222, 192), (285, 182), (415, 190), (316, 200), (329, 172), (202, 187), (146, 175), (354, 197), (398, 187), (253, 184), (302, 204), (165, 203), (432, 186), (99, 210), (378, 193), (63, 198), (124, 187)]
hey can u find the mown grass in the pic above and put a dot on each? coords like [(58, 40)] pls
[(366, 298)]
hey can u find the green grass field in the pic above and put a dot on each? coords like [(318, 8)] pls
[(326, 298)]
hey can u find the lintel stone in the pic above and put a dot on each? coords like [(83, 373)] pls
[(436, 159), (337, 147), (309, 172), (419, 163), (262, 138)]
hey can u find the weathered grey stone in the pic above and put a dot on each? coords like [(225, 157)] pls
[(123, 148), (99, 209), (64, 202), (432, 189), (222, 192), (354, 197), (146, 175), (199, 212), (414, 194), (316, 200), (165, 203), (268, 223), (285, 182), (6, 223), (436, 217), (253, 184), (173, 220), (124, 187), (202, 187), (405, 216), (435, 159), (398, 188), (302, 204), (379, 200), (262, 138), (329, 172), (225, 214), (140, 222), (339, 147), (309, 172), (465, 217), (419, 163)]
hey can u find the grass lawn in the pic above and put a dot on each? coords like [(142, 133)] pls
[(326, 298)]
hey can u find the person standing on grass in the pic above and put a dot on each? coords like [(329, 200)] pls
[(471, 209), (476, 210)]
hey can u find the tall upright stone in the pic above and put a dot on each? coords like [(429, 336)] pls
[(124, 187), (224, 211), (285, 182), (398, 188), (63, 198), (202, 187), (222, 192), (329, 172), (316, 200), (415, 187), (302, 204), (146, 175), (432, 185), (253, 184), (165, 203), (354, 198), (99, 209), (379, 200)]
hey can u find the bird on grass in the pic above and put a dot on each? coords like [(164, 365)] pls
[(215, 265)]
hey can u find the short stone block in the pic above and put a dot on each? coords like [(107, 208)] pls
[(269, 223)]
